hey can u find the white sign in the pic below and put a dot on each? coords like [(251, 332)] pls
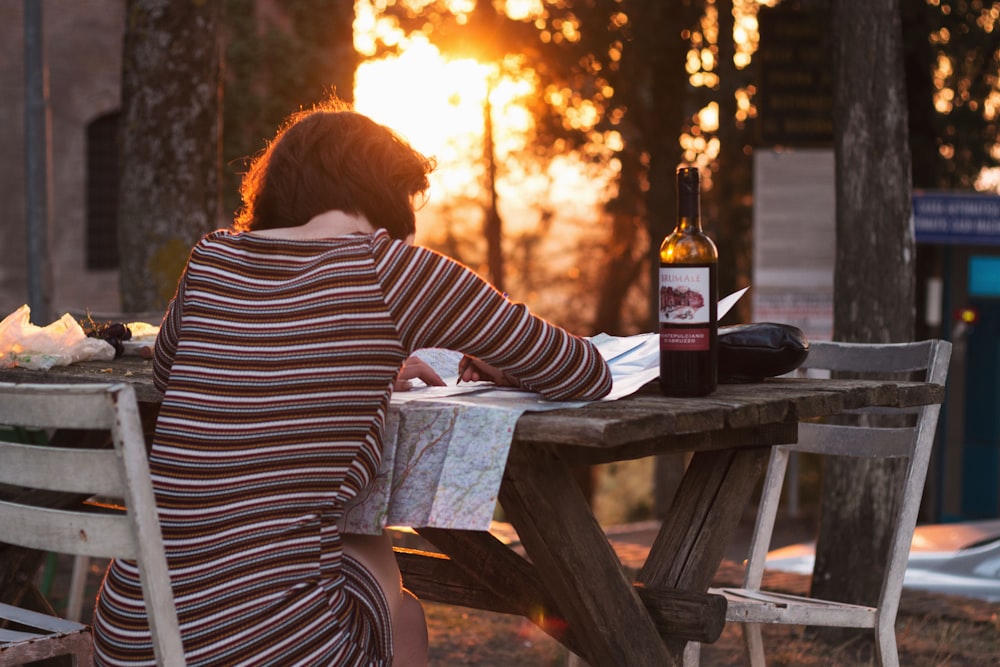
[(795, 239)]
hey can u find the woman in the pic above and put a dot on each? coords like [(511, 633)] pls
[(277, 358)]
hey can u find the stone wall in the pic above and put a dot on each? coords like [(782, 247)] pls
[(83, 41)]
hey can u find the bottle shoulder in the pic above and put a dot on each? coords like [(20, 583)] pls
[(688, 248)]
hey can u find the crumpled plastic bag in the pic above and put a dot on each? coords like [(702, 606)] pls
[(61, 343)]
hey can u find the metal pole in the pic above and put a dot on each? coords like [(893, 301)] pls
[(37, 152)]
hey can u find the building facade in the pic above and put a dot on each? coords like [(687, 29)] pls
[(83, 47)]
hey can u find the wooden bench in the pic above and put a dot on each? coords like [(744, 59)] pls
[(515, 587)]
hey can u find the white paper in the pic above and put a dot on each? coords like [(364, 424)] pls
[(726, 304)]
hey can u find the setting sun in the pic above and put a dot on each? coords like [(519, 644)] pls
[(550, 207), (439, 105), (424, 97)]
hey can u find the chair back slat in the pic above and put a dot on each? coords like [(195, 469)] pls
[(29, 516), (858, 441), (90, 471), (61, 531), (874, 359), (82, 406), (35, 619)]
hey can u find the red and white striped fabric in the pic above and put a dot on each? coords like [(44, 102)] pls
[(276, 359)]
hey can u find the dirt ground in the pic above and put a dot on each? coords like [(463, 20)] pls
[(932, 631)]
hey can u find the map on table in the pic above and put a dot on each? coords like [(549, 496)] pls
[(445, 448)]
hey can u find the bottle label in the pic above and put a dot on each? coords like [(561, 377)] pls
[(684, 340), (685, 300), (684, 295)]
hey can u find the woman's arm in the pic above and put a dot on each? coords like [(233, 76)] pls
[(437, 302), (166, 340)]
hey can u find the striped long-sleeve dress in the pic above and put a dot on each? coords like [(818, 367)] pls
[(276, 359)]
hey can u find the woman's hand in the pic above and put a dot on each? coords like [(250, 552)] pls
[(471, 369), (416, 368)]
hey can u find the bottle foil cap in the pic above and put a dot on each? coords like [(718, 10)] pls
[(688, 180)]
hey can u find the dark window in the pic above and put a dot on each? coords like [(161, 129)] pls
[(102, 192)]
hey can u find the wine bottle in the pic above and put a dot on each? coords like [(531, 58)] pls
[(688, 303)]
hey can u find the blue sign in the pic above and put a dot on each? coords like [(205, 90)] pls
[(984, 276), (956, 219)]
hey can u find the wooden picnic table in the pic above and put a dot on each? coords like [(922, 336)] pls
[(571, 583)]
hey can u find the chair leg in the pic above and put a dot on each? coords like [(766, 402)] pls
[(885, 641), (763, 529), (753, 642), (83, 659), (77, 588), (692, 654)]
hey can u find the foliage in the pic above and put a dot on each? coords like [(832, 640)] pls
[(611, 85), (278, 61), (952, 67)]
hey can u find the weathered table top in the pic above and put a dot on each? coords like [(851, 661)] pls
[(637, 425)]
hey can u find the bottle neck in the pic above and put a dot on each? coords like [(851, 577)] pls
[(688, 212)]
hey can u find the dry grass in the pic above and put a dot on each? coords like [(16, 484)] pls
[(469, 637), (932, 630)]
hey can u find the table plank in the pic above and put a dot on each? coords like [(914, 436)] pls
[(436, 578), (644, 417), (134, 371), (677, 614), (504, 574)]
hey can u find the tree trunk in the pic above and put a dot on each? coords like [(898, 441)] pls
[(874, 275), (731, 224), (624, 259), (663, 121), (170, 144), (493, 227)]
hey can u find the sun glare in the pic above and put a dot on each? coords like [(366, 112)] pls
[(439, 106), (422, 96), (436, 104)]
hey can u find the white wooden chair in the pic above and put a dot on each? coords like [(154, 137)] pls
[(750, 605), (121, 472)]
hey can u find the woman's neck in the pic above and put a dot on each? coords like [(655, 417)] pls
[(330, 224)]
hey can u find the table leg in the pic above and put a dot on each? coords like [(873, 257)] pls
[(706, 511), (578, 565), (703, 518)]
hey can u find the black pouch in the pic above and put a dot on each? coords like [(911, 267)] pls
[(752, 352)]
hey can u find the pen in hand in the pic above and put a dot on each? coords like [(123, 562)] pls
[(474, 370), (463, 366)]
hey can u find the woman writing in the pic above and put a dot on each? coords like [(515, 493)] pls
[(277, 358)]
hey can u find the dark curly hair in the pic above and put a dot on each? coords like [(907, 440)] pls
[(332, 158)]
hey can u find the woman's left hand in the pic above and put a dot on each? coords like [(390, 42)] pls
[(416, 368)]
